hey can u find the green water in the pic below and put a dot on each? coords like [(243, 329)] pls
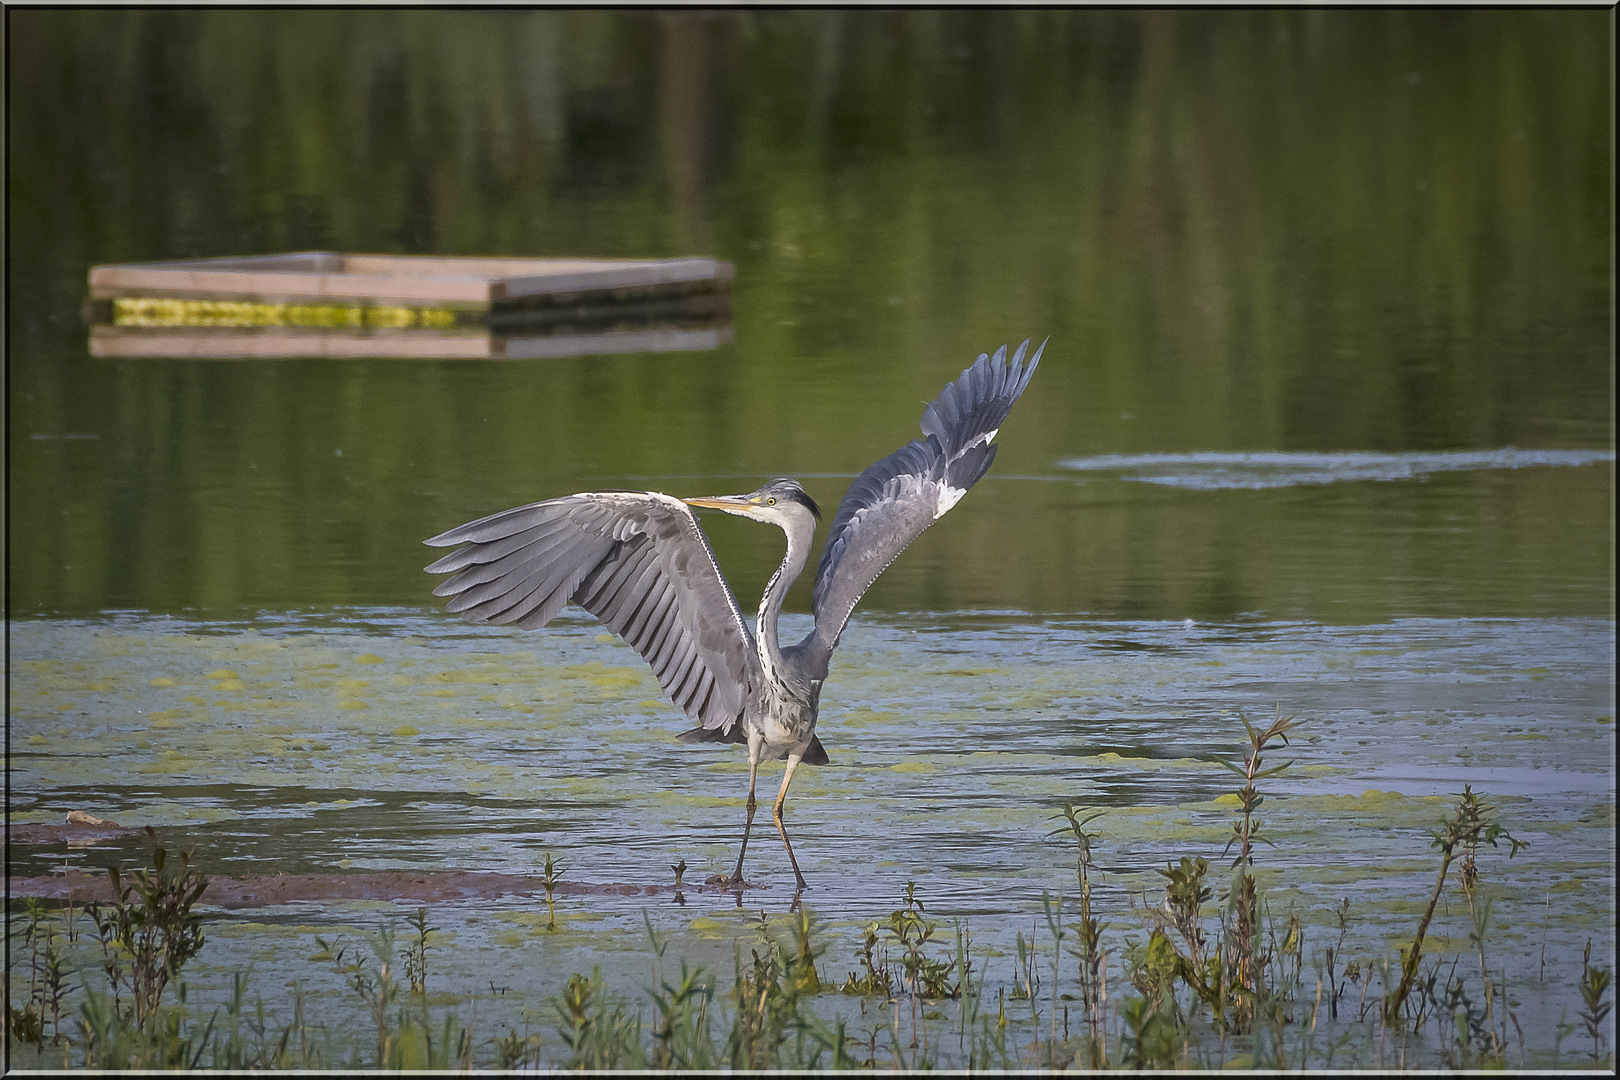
[(1284, 231), (1325, 420)]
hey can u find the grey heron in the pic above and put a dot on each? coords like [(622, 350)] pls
[(638, 561)]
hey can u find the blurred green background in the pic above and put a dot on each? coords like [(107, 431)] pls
[(1270, 230)]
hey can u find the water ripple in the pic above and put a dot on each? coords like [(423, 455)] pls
[(1213, 470)]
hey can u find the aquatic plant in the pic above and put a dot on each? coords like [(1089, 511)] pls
[(1594, 987), (404, 1040), (416, 967), (47, 983), (874, 977), (1471, 824), (149, 930), (1241, 979), (597, 1027), (1242, 950), (683, 1038), (1151, 1038), (1088, 949), (516, 1051), (553, 873), (1332, 954)]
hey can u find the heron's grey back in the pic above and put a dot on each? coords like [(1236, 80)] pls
[(635, 560)]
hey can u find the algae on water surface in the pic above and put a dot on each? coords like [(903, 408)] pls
[(125, 718)]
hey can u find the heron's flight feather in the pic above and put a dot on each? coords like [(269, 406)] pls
[(635, 560), (892, 502)]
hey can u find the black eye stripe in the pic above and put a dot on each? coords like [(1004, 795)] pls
[(790, 493)]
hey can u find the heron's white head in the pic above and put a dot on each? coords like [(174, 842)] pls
[(781, 502)]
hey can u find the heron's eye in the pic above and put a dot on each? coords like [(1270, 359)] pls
[(770, 502)]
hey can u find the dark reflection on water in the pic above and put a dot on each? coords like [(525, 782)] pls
[(1301, 231)]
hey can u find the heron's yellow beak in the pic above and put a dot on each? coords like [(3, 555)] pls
[(733, 503)]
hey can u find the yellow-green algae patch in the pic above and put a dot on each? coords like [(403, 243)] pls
[(705, 927), (1150, 763)]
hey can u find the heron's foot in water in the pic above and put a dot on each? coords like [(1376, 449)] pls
[(728, 881)]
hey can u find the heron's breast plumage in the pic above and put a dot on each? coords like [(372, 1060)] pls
[(786, 723)]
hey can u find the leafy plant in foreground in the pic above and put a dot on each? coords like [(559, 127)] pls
[(1243, 957), (149, 930), (1594, 986), (553, 873), (1088, 948), (1472, 823), (47, 980), (407, 1040), (416, 966)]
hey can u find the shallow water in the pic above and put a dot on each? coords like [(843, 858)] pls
[(397, 740)]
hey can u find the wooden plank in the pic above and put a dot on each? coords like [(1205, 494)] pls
[(211, 344), (407, 279), (114, 275), (623, 341), (624, 276), (305, 262), (488, 268), (110, 281), (112, 342)]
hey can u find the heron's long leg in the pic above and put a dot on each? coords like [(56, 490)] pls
[(776, 815), (753, 775)]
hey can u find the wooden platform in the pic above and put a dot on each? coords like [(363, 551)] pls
[(458, 289), (231, 343)]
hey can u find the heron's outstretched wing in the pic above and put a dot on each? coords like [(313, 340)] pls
[(637, 561), (892, 502)]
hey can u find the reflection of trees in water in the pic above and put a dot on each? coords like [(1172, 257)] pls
[(1245, 230), (1332, 213)]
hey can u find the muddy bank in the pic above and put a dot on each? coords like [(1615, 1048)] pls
[(75, 833), (261, 890)]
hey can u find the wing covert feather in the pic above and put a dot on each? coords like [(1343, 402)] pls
[(893, 501), (635, 560)]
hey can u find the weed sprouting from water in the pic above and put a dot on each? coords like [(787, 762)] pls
[(1088, 950), (597, 1027), (416, 965), (683, 1038), (1336, 984), (47, 981), (1471, 824), (1594, 988), (1247, 830), (874, 977), (149, 930), (553, 874), (406, 1038), (1243, 952)]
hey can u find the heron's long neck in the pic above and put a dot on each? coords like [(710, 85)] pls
[(770, 605)]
